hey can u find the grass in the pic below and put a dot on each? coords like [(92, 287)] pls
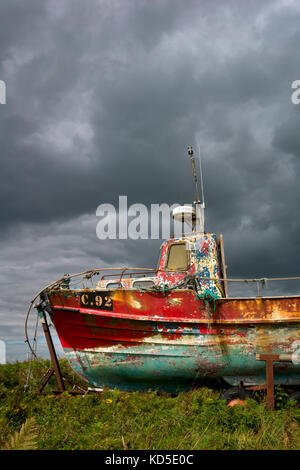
[(115, 420)]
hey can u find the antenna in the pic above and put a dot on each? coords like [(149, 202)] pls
[(201, 178), (191, 154), (199, 206)]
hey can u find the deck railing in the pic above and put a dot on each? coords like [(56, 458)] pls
[(120, 273)]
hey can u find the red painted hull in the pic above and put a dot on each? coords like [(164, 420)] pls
[(156, 339)]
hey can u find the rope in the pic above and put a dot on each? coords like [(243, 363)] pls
[(207, 295), (164, 287), (263, 282), (31, 356), (188, 281)]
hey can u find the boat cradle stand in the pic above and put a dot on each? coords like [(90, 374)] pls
[(54, 360), (269, 385)]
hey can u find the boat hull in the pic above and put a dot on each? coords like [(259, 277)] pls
[(172, 342)]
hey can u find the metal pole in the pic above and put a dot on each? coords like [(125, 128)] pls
[(223, 264), (51, 348), (270, 384), (269, 360), (199, 206), (191, 154)]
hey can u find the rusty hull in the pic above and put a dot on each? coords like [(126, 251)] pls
[(151, 340)]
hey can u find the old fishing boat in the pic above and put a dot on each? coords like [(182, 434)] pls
[(169, 327)]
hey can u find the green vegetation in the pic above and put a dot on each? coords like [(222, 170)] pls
[(118, 420)]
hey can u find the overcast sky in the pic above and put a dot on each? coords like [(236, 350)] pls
[(103, 99)]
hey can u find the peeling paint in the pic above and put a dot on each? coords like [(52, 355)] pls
[(170, 343), (137, 339), (203, 261)]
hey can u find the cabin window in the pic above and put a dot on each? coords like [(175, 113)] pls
[(146, 284), (177, 257), (113, 285)]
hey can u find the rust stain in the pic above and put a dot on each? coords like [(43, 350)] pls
[(176, 301), (128, 298)]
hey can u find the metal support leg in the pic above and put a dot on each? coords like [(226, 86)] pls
[(270, 384), (54, 360), (46, 379), (269, 359)]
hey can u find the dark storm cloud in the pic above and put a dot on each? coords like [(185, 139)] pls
[(103, 99), (135, 82)]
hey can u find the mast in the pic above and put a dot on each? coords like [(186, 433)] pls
[(199, 205)]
